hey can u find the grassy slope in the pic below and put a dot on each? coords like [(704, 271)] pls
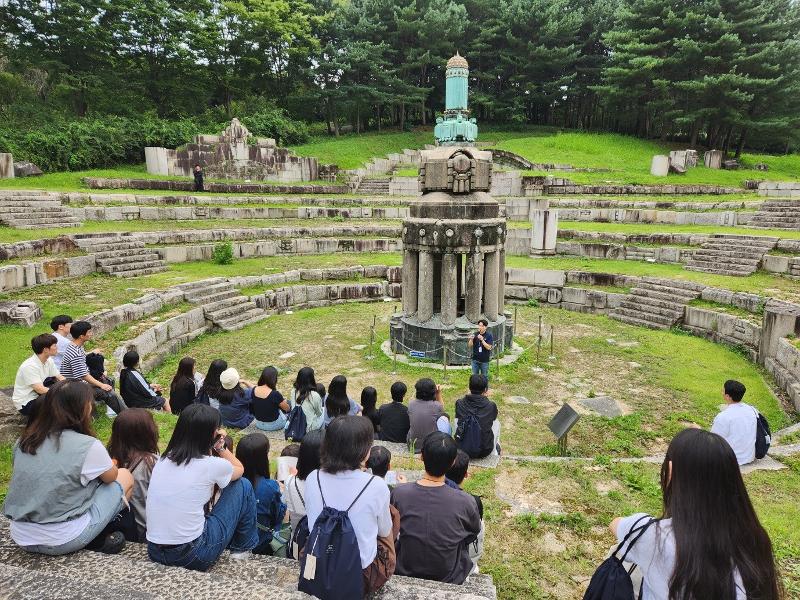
[(645, 228)]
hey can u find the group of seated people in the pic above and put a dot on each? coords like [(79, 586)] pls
[(202, 495)]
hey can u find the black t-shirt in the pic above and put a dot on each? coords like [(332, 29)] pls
[(480, 353), (266, 409), (394, 422)]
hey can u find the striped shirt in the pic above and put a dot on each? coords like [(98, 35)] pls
[(73, 363)]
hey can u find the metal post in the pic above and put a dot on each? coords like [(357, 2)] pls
[(538, 349), (562, 445), (497, 353), (551, 342), (394, 357), (444, 362), (515, 316), (540, 325), (370, 356)]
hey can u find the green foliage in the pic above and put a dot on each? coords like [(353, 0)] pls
[(223, 253)]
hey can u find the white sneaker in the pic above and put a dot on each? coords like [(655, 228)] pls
[(241, 555)]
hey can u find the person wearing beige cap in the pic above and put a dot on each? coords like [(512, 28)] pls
[(235, 405)]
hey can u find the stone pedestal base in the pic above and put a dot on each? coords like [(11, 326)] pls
[(427, 341)]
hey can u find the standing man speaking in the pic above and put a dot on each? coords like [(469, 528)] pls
[(481, 344)]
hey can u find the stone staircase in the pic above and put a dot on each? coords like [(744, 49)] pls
[(122, 256), (35, 212), (778, 214), (725, 254), (131, 575), (657, 303), (225, 307), (378, 186)]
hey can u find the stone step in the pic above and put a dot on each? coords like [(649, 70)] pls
[(645, 309), (656, 320), (734, 259), (649, 301), (673, 284), (119, 259), (210, 292), (30, 209), (131, 263), (233, 298), (53, 225), (284, 572), (719, 263), (17, 583), (639, 322), (242, 320), (717, 271), (137, 272), (740, 237), (644, 288), (109, 248), (144, 577), (241, 306)]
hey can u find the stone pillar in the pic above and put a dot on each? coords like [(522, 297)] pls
[(449, 288), (425, 289), (780, 319), (473, 286), (501, 283), (491, 270), (6, 165), (409, 282), (659, 166), (156, 160), (544, 227)]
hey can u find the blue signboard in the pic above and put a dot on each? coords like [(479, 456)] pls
[(416, 354)]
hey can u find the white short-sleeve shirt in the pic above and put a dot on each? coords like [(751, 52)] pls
[(62, 343), (654, 553), (30, 372), (737, 424), (369, 516), (177, 496)]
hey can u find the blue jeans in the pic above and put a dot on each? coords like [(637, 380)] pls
[(275, 425), (231, 524), (481, 368), (106, 503)]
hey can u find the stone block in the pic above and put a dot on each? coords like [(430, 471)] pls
[(717, 295), (659, 166), (80, 265), (6, 165), (547, 278), (776, 264), (375, 271), (19, 312), (713, 159), (144, 343), (575, 295), (394, 290), (317, 292)]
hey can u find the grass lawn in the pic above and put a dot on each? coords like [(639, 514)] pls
[(649, 228), (629, 159)]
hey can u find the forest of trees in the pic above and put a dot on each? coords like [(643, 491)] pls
[(723, 73)]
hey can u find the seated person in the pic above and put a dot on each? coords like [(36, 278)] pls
[(234, 402), (440, 553), (179, 531), (393, 416), (380, 464), (345, 448), (73, 366), (34, 372), (134, 446), (476, 403), (184, 386), (737, 423), (341, 404), (135, 390), (64, 487), (61, 325), (96, 363), (424, 411), (369, 399), (269, 405), (308, 460), (253, 452), (457, 474)]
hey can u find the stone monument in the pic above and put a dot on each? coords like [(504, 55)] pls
[(456, 128), (453, 259), (544, 227), (6, 165), (19, 312), (236, 154)]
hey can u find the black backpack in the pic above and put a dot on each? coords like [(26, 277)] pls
[(612, 581), (763, 436), (300, 531), (468, 435), (296, 424), (331, 566)]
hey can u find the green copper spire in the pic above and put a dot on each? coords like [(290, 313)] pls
[(456, 128)]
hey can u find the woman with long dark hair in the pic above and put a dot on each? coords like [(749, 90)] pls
[(708, 544), (179, 532), (369, 401), (304, 393), (64, 488), (253, 452), (183, 388), (344, 483), (134, 446), (211, 388), (235, 405), (295, 486), (337, 402), (135, 390), (269, 406)]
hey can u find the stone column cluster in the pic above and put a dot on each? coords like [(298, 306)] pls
[(481, 285)]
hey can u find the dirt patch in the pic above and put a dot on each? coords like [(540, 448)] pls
[(527, 495)]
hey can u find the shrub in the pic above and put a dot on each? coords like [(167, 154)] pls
[(223, 253)]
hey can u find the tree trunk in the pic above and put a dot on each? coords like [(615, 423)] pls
[(402, 116), (740, 143), (694, 133)]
